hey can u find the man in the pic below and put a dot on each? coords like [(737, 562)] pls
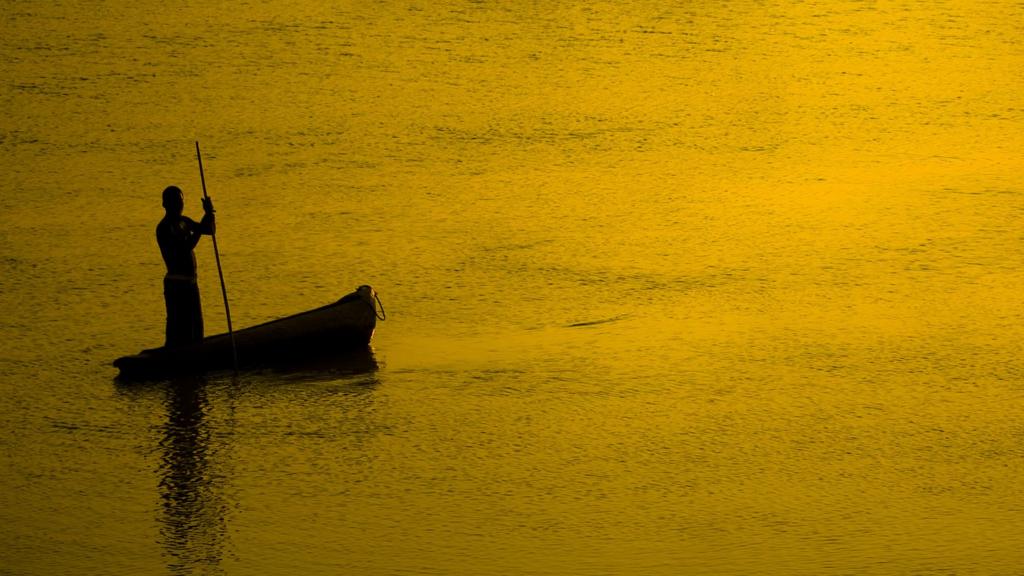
[(177, 235)]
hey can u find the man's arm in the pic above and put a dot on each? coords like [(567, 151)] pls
[(208, 225)]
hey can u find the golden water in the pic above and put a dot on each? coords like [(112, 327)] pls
[(691, 288)]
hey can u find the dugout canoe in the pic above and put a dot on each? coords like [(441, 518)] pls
[(339, 328)]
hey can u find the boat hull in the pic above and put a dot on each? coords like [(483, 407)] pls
[(344, 326)]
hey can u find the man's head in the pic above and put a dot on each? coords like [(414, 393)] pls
[(174, 200)]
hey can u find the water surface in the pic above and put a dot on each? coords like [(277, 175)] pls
[(671, 289)]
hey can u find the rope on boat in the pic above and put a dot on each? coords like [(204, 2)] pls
[(380, 315)]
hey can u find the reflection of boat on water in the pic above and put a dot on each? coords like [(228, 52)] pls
[(343, 327), (208, 424), (321, 367)]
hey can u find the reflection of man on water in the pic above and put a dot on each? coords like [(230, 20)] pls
[(177, 235), (194, 520)]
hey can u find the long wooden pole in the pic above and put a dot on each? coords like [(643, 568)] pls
[(220, 271)]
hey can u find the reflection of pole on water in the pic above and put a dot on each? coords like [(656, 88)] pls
[(193, 525)]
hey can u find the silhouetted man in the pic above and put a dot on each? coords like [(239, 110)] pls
[(177, 235)]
